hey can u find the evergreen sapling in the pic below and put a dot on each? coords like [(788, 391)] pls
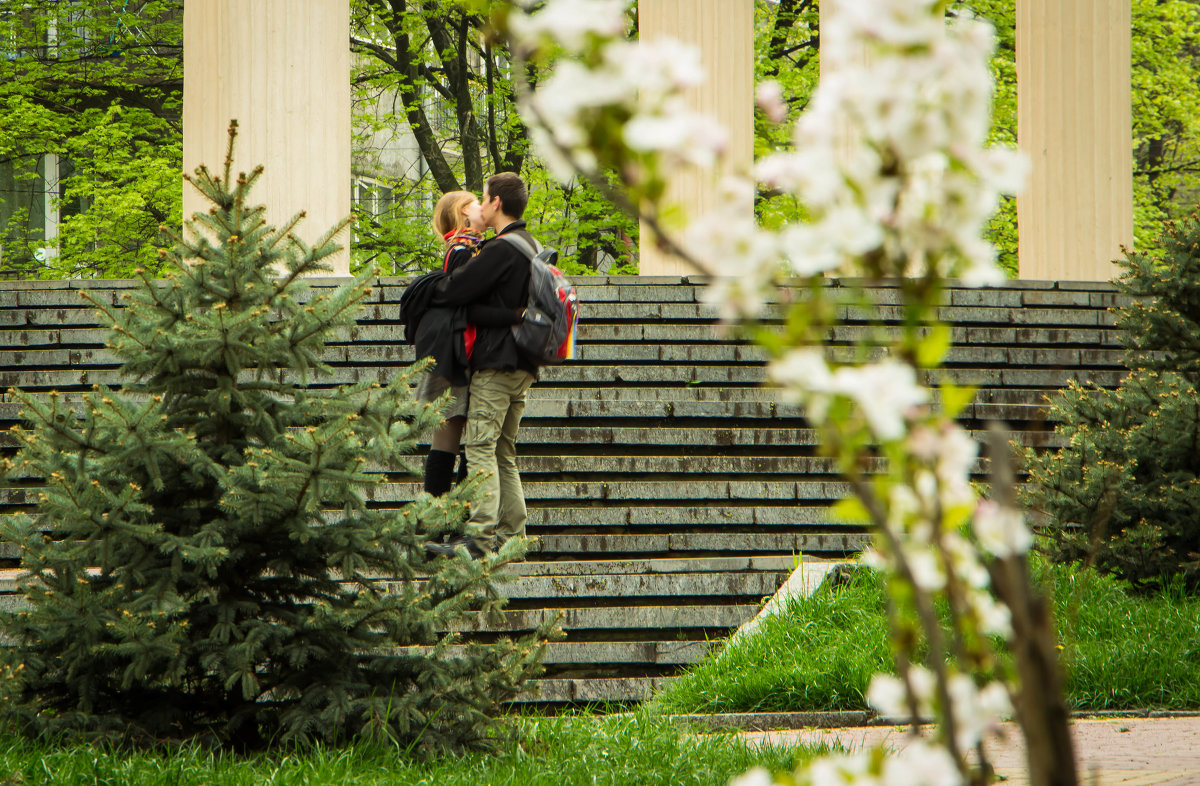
[(205, 560), (1124, 492)]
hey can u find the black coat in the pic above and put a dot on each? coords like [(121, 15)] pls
[(434, 331), (497, 280)]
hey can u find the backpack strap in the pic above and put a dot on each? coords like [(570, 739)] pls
[(521, 244)]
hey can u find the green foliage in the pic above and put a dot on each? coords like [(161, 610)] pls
[(400, 241), (1161, 325), (105, 98), (580, 223), (1166, 112), (98, 88), (1120, 650), (818, 652), (606, 751), (1124, 492), (213, 568), (785, 51)]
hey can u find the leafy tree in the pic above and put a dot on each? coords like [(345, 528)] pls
[(90, 98), (215, 569), (1166, 112), (105, 97), (1124, 492), (456, 99), (786, 51)]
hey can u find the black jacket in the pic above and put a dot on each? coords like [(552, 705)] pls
[(496, 280), (436, 330)]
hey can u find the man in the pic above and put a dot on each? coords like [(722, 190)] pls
[(497, 278)]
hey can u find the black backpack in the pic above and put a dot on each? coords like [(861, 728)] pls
[(546, 333)]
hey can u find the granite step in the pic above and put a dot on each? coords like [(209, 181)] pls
[(669, 489)]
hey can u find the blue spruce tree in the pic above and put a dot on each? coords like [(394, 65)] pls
[(203, 562)]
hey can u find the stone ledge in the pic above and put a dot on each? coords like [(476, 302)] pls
[(832, 719)]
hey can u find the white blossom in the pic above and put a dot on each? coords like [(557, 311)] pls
[(844, 770), (885, 392), (887, 696), (965, 561), (976, 710), (873, 558), (665, 67), (895, 133), (1001, 530), (920, 763), (890, 161), (744, 259), (994, 617), (926, 568), (570, 22), (802, 368), (755, 777), (769, 97), (904, 505), (808, 252), (687, 135), (956, 454)]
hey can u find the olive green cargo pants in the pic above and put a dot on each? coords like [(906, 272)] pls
[(497, 402)]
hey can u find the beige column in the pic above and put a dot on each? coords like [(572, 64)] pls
[(724, 31), (281, 68), (847, 141), (1075, 124)]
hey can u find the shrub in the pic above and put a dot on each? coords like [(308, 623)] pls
[(213, 569), (1124, 492)]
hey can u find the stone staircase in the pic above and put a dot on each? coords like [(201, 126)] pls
[(669, 492)]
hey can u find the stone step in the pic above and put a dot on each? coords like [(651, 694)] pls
[(1051, 379), (593, 292), (669, 490), (598, 546), (564, 518), (651, 566), (673, 618), (593, 409), (740, 583), (18, 304), (757, 542), (622, 335), (657, 653), (691, 402), (589, 588), (608, 354), (593, 691), (702, 490)]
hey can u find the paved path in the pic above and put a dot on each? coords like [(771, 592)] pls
[(1112, 751)]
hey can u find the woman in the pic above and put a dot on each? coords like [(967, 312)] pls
[(457, 219)]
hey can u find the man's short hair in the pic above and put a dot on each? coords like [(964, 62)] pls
[(514, 196)]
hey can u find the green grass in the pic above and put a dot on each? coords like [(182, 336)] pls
[(1123, 651), (1120, 651), (818, 653), (631, 749)]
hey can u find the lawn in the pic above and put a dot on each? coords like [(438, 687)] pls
[(1120, 651), (629, 749)]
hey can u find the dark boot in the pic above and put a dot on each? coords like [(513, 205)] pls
[(462, 544), (439, 472), (462, 468)]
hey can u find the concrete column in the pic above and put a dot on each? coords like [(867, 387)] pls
[(847, 141), (724, 31), (281, 68), (1075, 124)]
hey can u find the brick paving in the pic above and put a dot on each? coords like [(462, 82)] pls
[(1111, 751)]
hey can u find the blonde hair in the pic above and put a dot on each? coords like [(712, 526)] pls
[(448, 213)]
